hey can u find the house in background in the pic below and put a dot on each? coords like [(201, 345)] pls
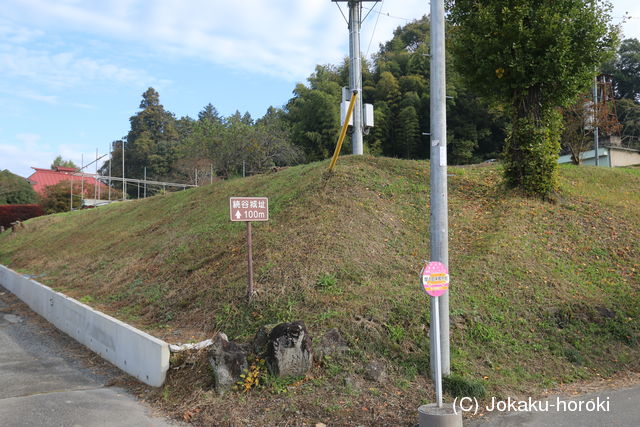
[(610, 154), (43, 178)]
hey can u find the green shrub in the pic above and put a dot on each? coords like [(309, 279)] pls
[(459, 386), (531, 154)]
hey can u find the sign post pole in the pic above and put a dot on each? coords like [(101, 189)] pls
[(249, 209), (435, 282), (438, 356), (250, 262)]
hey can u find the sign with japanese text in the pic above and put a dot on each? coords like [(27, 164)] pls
[(249, 208), (435, 278)]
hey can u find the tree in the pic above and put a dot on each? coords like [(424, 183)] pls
[(625, 70), (152, 141), (59, 162), (629, 115), (577, 135), (534, 56), (57, 198), (274, 137), (315, 119), (15, 190), (408, 132), (210, 113), (398, 78)]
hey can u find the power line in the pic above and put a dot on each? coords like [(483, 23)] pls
[(374, 26), (370, 10), (388, 15)]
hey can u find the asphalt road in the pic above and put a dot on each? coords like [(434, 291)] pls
[(46, 378), (617, 408)]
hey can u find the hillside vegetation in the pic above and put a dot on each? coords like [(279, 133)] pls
[(541, 293)]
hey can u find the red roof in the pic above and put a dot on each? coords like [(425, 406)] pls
[(42, 178)]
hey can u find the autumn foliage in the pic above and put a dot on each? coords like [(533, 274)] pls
[(12, 213)]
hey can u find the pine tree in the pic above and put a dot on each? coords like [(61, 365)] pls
[(152, 140)]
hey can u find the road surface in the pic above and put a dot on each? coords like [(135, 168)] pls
[(46, 378), (617, 408)]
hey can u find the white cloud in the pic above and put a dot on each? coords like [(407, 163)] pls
[(25, 151), (28, 139), (28, 150), (18, 35), (279, 37), (28, 94), (65, 69), (286, 38)]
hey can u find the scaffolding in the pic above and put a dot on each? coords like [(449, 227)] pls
[(107, 180)]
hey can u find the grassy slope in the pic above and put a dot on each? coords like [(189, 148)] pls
[(541, 293)]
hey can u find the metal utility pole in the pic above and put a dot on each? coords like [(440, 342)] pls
[(355, 72), (96, 188), (124, 182), (81, 179), (110, 159), (439, 222), (145, 182), (355, 69), (596, 132)]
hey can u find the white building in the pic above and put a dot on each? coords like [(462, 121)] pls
[(610, 154)]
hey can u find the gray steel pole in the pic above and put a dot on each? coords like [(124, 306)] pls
[(596, 133), (145, 182), (124, 182), (436, 340), (355, 72), (81, 180), (110, 159), (95, 187), (439, 222)]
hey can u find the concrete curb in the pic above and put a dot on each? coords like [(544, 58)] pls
[(135, 352)]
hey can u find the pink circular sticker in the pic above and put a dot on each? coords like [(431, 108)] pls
[(435, 278)]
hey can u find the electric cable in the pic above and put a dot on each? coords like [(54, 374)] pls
[(374, 27)]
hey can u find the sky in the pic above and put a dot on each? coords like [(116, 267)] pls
[(72, 72)]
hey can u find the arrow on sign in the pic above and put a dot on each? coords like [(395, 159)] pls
[(238, 214)]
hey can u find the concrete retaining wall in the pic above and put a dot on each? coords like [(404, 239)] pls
[(135, 352)]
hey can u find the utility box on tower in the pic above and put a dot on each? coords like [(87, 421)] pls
[(368, 116), (367, 110), (344, 106)]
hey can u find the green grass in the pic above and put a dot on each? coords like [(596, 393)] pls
[(541, 293)]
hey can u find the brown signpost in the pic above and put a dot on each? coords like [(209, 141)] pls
[(249, 209)]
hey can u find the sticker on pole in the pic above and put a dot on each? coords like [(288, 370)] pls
[(435, 278)]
